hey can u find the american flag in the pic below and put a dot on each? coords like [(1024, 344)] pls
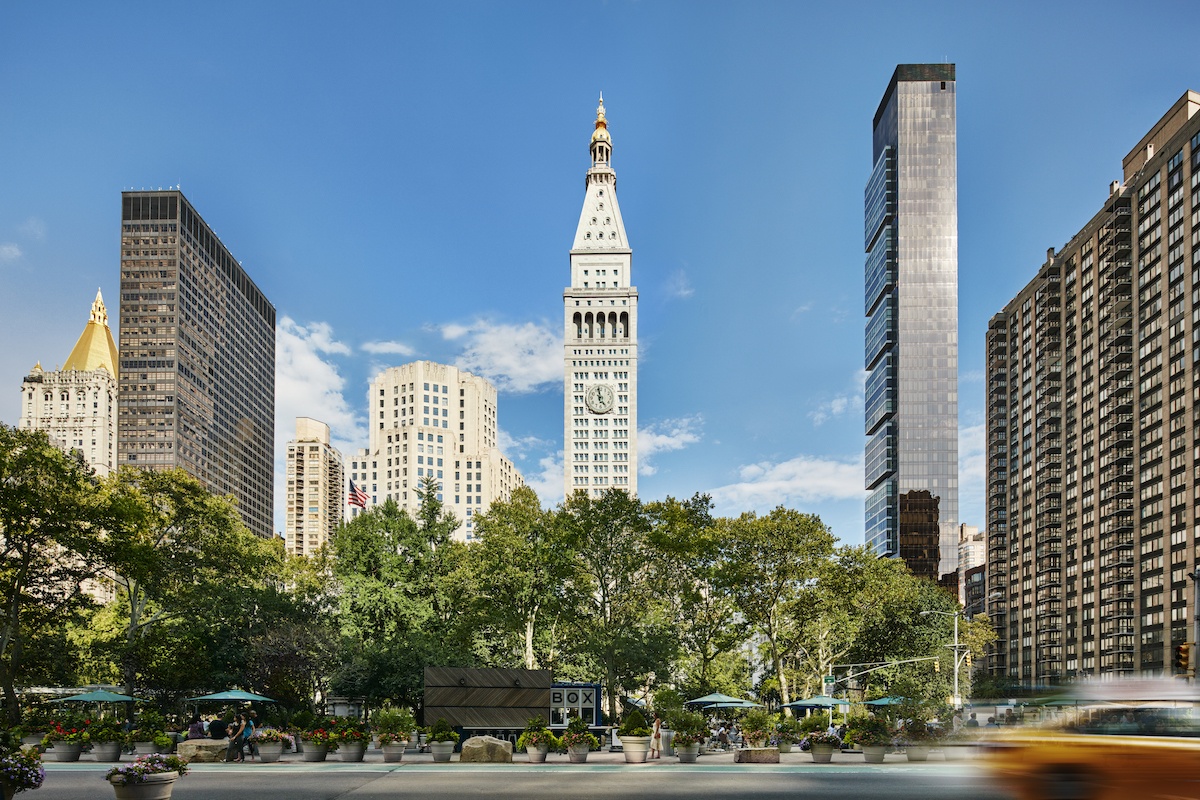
[(357, 496)]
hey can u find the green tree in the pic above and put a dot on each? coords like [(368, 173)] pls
[(688, 570), (47, 524), (770, 559), (521, 562), (615, 610), (174, 552)]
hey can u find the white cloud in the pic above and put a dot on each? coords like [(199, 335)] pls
[(547, 481), (34, 228), (665, 436), (9, 252), (308, 384), (851, 400), (518, 448), (803, 479), (517, 358), (678, 285), (388, 348), (802, 309)]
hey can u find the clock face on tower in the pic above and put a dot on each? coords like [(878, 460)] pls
[(600, 399)]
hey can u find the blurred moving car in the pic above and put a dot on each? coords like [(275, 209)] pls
[(1134, 739)]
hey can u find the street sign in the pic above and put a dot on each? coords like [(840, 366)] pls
[(829, 682)]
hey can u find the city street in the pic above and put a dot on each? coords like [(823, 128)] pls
[(419, 778)]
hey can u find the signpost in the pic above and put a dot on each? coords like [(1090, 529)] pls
[(829, 684)]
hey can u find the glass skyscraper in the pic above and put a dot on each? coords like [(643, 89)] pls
[(911, 240)]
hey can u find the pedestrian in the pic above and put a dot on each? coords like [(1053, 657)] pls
[(991, 723), (234, 751), (251, 726), (196, 729), (217, 728), (972, 722), (656, 738)]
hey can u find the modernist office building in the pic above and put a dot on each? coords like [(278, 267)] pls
[(197, 372), (911, 239), (600, 345), (77, 404), (316, 488), (432, 420), (1092, 442)]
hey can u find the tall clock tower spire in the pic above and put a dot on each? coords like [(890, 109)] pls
[(600, 342)]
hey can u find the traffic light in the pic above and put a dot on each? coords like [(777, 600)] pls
[(968, 659), (1183, 657), (937, 666)]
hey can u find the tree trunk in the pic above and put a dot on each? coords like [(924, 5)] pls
[(530, 663), (777, 662)]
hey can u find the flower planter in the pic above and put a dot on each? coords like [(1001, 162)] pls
[(314, 751), (144, 748), (29, 742), (688, 753), (874, 753), (352, 751), (106, 751), (67, 751), (392, 753), (270, 752), (822, 753), (578, 753), (917, 752), (957, 752), (154, 787), (9, 790), (441, 750), (785, 747), (537, 753), (635, 748)]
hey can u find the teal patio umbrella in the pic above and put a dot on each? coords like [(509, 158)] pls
[(715, 698), (885, 701), (232, 696), (816, 700), (99, 696)]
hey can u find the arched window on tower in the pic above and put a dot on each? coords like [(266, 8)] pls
[(624, 324), (578, 320)]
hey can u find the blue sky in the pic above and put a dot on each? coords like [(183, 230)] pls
[(403, 181)]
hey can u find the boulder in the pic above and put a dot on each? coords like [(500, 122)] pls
[(203, 750), (486, 750), (756, 755)]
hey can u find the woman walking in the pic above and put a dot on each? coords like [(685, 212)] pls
[(656, 739), (234, 751)]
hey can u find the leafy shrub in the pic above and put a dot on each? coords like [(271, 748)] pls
[(757, 725), (442, 732), (869, 732), (634, 724), (690, 728), (578, 734), (536, 734), (22, 769), (789, 730), (392, 720)]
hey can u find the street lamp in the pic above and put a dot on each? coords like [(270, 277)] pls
[(957, 659)]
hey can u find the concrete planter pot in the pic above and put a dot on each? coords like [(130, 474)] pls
[(785, 747), (153, 787), (441, 750), (270, 752), (66, 751), (144, 748), (578, 753), (822, 753), (392, 753), (917, 752), (314, 751), (958, 752), (874, 753), (537, 753), (635, 748), (688, 753), (352, 751), (106, 751)]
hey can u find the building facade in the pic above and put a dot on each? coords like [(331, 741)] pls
[(600, 344), (316, 488), (911, 299), (1092, 447), (77, 405), (197, 371), (434, 421)]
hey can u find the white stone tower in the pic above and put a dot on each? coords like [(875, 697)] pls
[(600, 352)]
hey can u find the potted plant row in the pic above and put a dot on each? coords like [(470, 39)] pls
[(635, 737), (318, 742), (442, 739), (871, 735), (788, 734), (352, 738), (690, 730), (391, 726), (578, 740), (537, 740), (148, 777), (822, 745), (270, 743)]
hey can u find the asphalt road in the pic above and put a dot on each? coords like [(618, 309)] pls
[(553, 781)]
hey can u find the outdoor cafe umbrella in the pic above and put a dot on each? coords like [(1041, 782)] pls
[(232, 696), (735, 704), (816, 700), (99, 696), (715, 698), (885, 701)]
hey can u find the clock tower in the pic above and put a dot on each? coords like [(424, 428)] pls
[(600, 350)]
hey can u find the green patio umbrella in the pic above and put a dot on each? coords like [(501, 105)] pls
[(99, 696), (816, 700), (715, 698), (232, 696), (885, 701)]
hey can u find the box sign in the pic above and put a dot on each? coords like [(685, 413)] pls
[(570, 702)]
